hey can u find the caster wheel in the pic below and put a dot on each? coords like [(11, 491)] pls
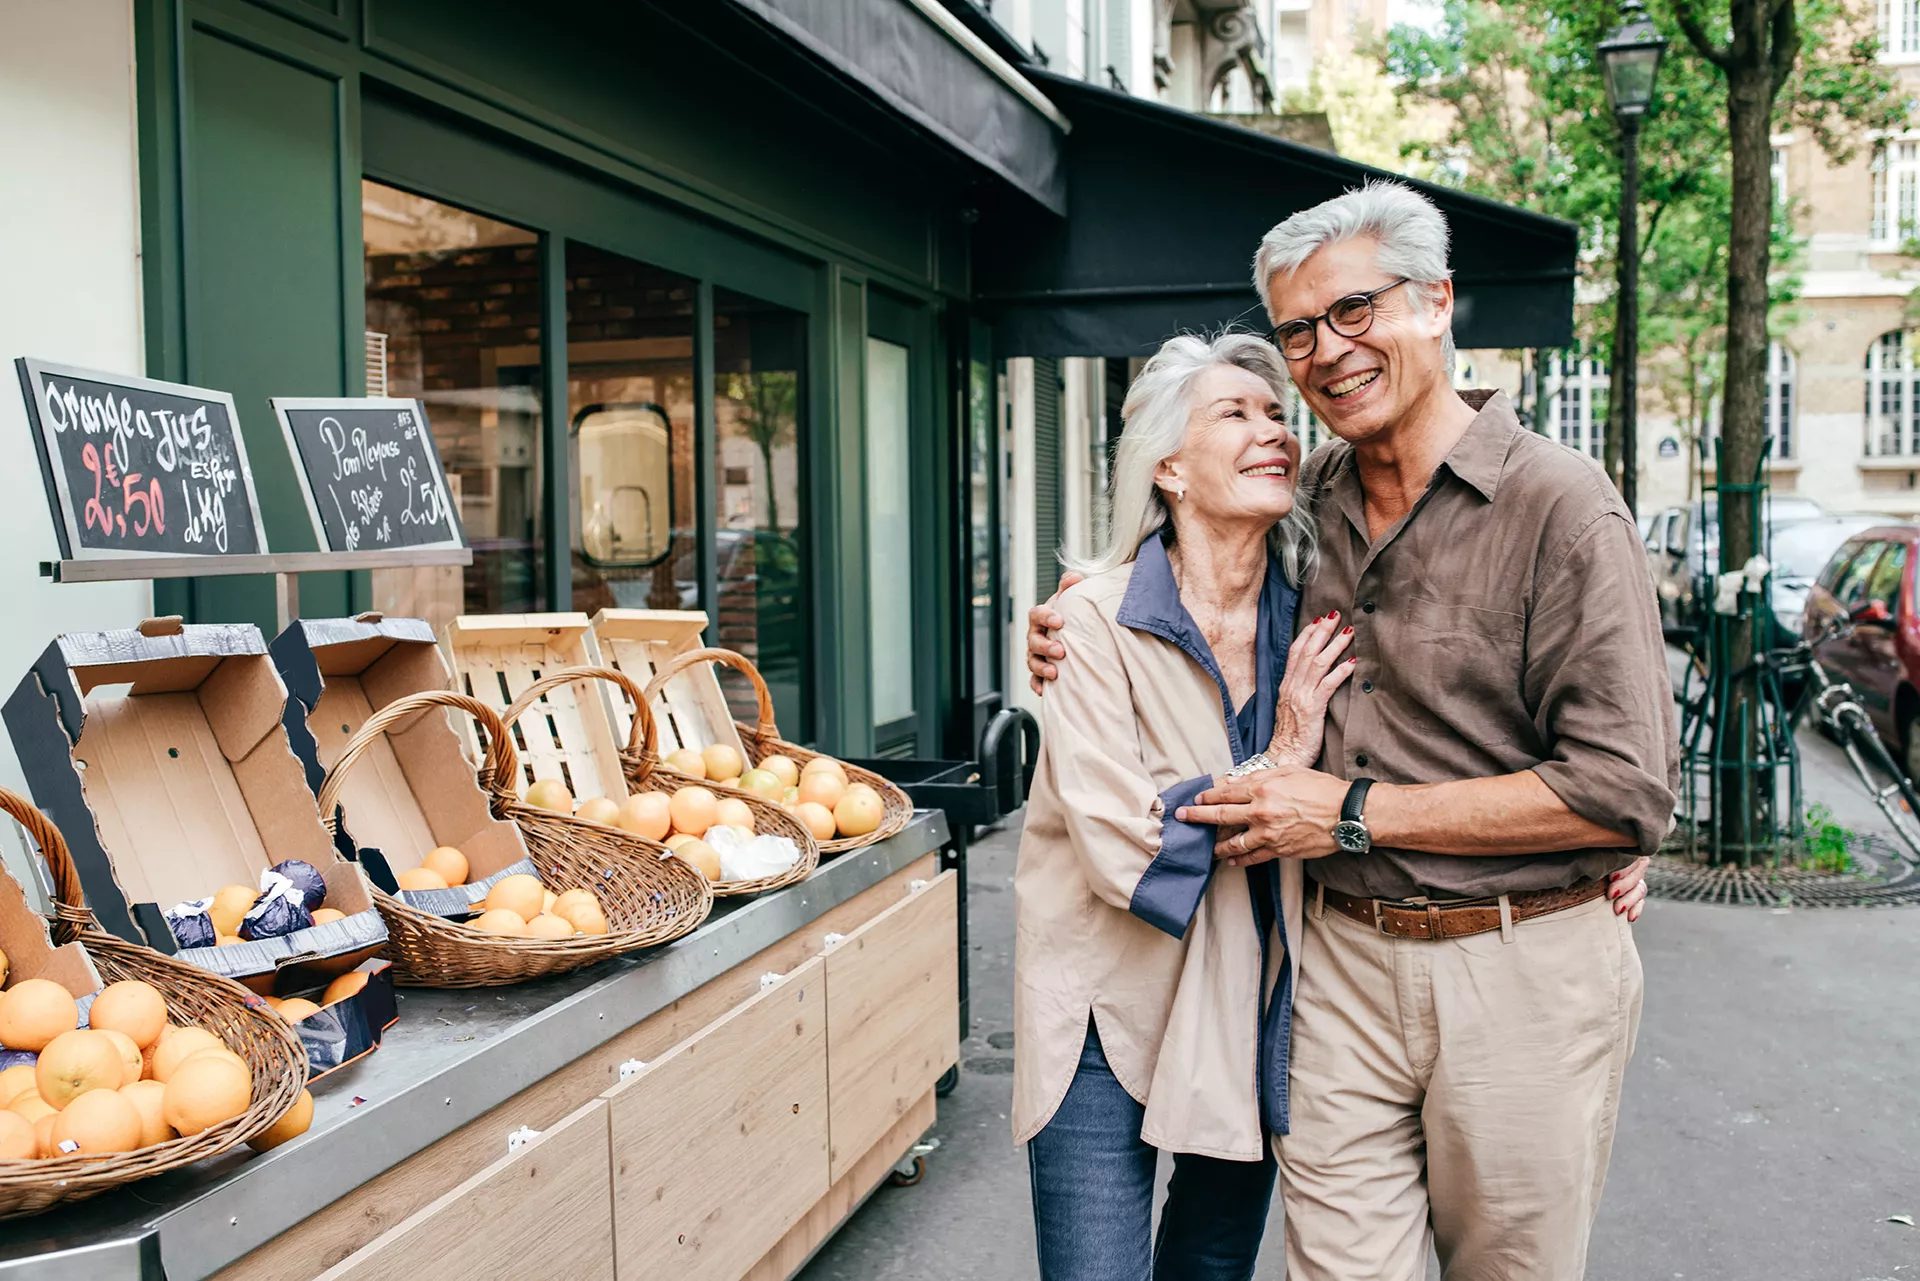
[(949, 1081), (901, 1179)]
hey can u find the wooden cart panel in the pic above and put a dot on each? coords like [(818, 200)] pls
[(542, 1211), (692, 710), (720, 1147), (893, 1016)]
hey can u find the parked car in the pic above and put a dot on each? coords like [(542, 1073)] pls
[(1684, 540), (1800, 552), (1870, 582)]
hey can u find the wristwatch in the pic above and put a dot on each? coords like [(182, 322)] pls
[(1351, 833), (1252, 765)]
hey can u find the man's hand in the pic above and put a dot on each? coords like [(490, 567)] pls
[(1628, 888), (1042, 648), (1285, 813)]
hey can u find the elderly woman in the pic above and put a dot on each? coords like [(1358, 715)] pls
[(1152, 991)]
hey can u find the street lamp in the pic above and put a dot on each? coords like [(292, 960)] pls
[(1629, 61)]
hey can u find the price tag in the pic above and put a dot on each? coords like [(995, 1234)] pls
[(373, 476)]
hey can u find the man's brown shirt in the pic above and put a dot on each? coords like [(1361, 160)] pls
[(1507, 623)]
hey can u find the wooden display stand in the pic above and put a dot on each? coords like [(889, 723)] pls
[(763, 1114), (692, 710)]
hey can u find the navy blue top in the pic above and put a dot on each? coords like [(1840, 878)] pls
[(1170, 890)]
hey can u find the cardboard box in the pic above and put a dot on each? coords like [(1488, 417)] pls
[(161, 755), (415, 787), (30, 951), (338, 1034)]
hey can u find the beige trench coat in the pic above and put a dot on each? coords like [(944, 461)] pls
[(1131, 716)]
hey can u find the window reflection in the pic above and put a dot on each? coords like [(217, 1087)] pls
[(453, 317), (761, 562)]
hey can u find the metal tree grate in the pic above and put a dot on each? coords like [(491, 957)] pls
[(1882, 877)]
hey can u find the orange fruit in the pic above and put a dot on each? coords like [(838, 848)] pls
[(132, 1007), (146, 1097), (548, 926), (824, 765), (675, 841), (179, 1045), (734, 812), (43, 1135), (449, 862), (647, 814), (99, 1121), (693, 810), (291, 1126), (858, 813), (31, 1106), (146, 1055), (722, 761), (206, 1090), (700, 855), (763, 783), (580, 909), (296, 1008), (230, 904), (782, 768), (422, 878), (550, 794), (16, 1080), (501, 920), (818, 818), (34, 1011), (327, 915), (77, 1062), (547, 901), (599, 809), (222, 1052), (686, 761), (347, 985), (520, 894), (131, 1061), (822, 787), (17, 1141)]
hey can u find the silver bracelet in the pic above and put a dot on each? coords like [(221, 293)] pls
[(1252, 765)]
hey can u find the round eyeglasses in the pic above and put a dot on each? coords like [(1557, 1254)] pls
[(1350, 317)]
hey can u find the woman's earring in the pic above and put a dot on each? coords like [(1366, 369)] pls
[(1180, 494)]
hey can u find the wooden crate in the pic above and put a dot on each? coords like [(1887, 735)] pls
[(692, 710), (720, 1146), (569, 734), (893, 1018), (543, 1211)]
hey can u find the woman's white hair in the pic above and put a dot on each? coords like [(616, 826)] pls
[(1410, 231), (1155, 414)]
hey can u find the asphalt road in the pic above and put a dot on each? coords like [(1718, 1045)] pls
[(1769, 1130)]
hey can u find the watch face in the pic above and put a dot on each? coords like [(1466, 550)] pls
[(1352, 837)]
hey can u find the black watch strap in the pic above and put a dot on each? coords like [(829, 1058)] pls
[(1356, 798)]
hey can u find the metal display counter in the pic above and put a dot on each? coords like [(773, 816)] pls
[(453, 1057)]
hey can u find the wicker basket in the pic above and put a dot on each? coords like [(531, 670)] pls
[(641, 762), (763, 740), (246, 1024), (648, 899)]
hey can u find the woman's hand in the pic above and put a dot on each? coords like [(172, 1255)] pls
[(1628, 888), (1314, 670)]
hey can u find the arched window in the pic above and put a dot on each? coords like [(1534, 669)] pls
[(1577, 410), (1893, 398)]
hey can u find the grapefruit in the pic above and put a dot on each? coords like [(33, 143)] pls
[(43, 1135), (449, 862), (822, 787), (146, 1098), (647, 814), (685, 760), (76, 1063), (179, 1045), (580, 909), (858, 813), (14, 1081), (693, 810), (825, 765), (550, 794), (818, 818), (98, 1121), (548, 926), (782, 768), (132, 1007), (31, 1105), (702, 856), (206, 1090), (763, 784), (734, 812), (501, 920), (721, 761), (296, 1008), (230, 904), (347, 985), (327, 915), (520, 894), (17, 1142), (291, 1126), (422, 878), (599, 810), (34, 1011), (131, 1061)]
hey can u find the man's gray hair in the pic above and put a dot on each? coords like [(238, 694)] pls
[(1155, 414), (1410, 231)]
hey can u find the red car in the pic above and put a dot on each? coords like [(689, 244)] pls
[(1870, 580)]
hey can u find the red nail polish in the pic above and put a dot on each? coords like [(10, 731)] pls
[(1334, 614), (1347, 632)]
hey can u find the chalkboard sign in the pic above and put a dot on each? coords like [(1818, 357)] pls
[(373, 473), (135, 467)]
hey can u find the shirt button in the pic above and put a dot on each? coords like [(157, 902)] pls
[(1366, 607), (1361, 760), (1366, 687)]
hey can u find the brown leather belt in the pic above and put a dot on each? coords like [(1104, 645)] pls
[(1452, 920)]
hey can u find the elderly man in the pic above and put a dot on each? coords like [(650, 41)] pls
[(1467, 1000)]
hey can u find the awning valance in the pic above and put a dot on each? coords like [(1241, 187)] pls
[(1165, 209)]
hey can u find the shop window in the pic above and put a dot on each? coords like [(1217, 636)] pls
[(630, 416), (889, 533), (761, 560), (453, 318), (983, 471), (1893, 398)]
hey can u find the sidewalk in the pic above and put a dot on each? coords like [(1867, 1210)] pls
[(1770, 1124)]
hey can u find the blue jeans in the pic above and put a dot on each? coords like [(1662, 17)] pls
[(1093, 1194)]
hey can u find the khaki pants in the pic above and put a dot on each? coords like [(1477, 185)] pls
[(1466, 1088)]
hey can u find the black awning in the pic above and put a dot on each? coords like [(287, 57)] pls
[(926, 65), (1165, 210)]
